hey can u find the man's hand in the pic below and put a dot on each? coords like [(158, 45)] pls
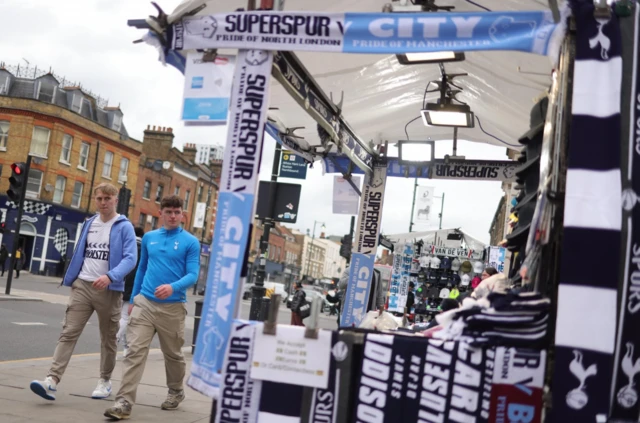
[(163, 291), (102, 282), (130, 308)]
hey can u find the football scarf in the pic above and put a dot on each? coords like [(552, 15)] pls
[(587, 295)]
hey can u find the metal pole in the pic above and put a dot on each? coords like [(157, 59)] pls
[(441, 210), (313, 236), (413, 204), (258, 290), (16, 235), (206, 210)]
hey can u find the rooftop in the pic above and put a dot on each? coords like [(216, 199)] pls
[(45, 86)]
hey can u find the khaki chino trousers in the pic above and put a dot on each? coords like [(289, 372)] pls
[(148, 318), (83, 301)]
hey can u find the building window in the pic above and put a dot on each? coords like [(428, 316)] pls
[(65, 153), (200, 193), (40, 141), (84, 155), (187, 197), (76, 103), (146, 191), (117, 122), (124, 168), (77, 194), (106, 166), (34, 183), (58, 192), (154, 223), (159, 193), (4, 133), (142, 220), (176, 191)]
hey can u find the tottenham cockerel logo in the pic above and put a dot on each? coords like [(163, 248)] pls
[(577, 398), (602, 40), (627, 396)]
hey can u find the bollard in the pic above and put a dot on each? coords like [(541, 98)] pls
[(264, 308), (196, 323)]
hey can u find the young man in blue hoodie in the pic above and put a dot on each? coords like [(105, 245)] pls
[(106, 252), (169, 265)]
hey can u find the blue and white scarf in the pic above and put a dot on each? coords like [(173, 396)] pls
[(587, 294)]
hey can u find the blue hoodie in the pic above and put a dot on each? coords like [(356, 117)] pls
[(123, 253), (167, 257)]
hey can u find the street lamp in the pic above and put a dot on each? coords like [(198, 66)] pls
[(313, 236)]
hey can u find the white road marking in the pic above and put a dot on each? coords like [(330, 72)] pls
[(29, 323)]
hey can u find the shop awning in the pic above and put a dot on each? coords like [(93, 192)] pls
[(381, 96)]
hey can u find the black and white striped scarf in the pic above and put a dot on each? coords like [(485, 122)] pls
[(625, 405), (587, 294)]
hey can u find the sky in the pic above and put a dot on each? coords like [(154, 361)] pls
[(88, 41)]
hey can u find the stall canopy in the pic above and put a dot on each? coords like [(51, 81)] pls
[(439, 238), (381, 96)]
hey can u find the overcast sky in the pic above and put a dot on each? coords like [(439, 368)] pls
[(88, 41)]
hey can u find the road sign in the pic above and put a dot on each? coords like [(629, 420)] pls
[(292, 166)]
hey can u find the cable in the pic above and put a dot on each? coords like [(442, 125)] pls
[(405, 127), (478, 5), (493, 136)]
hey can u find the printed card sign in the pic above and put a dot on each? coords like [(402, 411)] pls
[(345, 199), (289, 357), (207, 89)]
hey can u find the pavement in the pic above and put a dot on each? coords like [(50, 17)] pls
[(73, 400), (30, 323)]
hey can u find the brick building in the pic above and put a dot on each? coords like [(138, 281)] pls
[(164, 170), (283, 254), (312, 260), (76, 143)]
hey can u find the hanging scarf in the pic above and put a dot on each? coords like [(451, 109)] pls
[(587, 295), (624, 395)]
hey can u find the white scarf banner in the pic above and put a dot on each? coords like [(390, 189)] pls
[(363, 257), (371, 33), (236, 209), (239, 398), (423, 205)]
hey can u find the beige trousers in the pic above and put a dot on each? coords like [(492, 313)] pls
[(148, 318), (83, 301)]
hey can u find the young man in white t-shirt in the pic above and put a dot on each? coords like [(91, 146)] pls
[(105, 253)]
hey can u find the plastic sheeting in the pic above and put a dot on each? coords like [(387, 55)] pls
[(430, 237), (381, 96)]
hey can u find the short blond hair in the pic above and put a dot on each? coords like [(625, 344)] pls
[(106, 188)]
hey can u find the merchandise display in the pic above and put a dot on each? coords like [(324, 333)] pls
[(470, 332)]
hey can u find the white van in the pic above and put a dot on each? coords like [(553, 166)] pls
[(278, 288)]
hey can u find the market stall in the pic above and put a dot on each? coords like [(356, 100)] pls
[(253, 369)]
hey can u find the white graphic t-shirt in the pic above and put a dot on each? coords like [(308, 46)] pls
[(96, 252)]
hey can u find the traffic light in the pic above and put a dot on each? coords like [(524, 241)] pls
[(3, 226), (17, 181), (124, 197), (345, 247)]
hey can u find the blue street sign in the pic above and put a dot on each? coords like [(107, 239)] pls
[(292, 166)]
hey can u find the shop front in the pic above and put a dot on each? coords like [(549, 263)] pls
[(48, 234)]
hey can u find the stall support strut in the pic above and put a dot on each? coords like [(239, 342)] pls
[(259, 303)]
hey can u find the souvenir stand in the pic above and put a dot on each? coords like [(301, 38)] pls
[(459, 262), (544, 348)]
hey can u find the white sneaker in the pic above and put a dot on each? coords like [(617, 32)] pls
[(125, 352), (103, 390), (45, 388)]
